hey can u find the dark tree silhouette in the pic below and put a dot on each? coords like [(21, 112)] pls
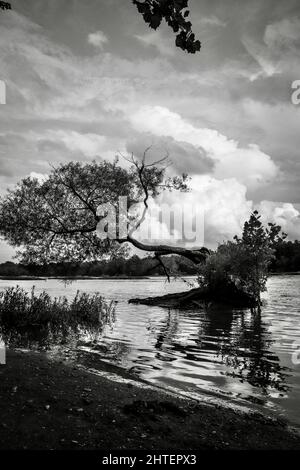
[(56, 220), (5, 6), (175, 13)]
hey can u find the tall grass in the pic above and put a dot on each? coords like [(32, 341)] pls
[(26, 313)]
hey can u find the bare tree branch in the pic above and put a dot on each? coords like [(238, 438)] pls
[(196, 256), (161, 263)]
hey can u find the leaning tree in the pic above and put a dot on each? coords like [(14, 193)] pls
[(55, 220)]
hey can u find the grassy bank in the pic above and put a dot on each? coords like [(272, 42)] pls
[(45, 404)]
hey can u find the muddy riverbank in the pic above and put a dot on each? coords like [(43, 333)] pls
[(46, 404)]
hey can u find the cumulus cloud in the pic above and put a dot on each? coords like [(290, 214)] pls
[(154, 229), (219, 208), (225, 208), (97, 39), (284, 214), (224, 204), (249, 165), (183, 155)]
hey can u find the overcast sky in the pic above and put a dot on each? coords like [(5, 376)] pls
[(86, 79)]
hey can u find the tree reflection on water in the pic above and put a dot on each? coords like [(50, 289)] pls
[(238, 339)]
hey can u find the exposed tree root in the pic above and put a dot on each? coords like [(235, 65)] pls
[(200, 297)]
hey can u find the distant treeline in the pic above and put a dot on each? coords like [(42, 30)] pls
[(287, 259), (133, 266)]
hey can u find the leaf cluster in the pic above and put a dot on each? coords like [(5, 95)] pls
[(175, 13)]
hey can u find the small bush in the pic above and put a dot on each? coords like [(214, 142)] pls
[(244, 262)]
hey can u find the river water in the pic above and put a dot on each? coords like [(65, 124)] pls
[(244, 358)]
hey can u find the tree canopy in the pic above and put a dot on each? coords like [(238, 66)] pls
[(244, 261), (175, 13), (55, 220), (5, 6)]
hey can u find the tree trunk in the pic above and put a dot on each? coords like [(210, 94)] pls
[(201, 298)]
